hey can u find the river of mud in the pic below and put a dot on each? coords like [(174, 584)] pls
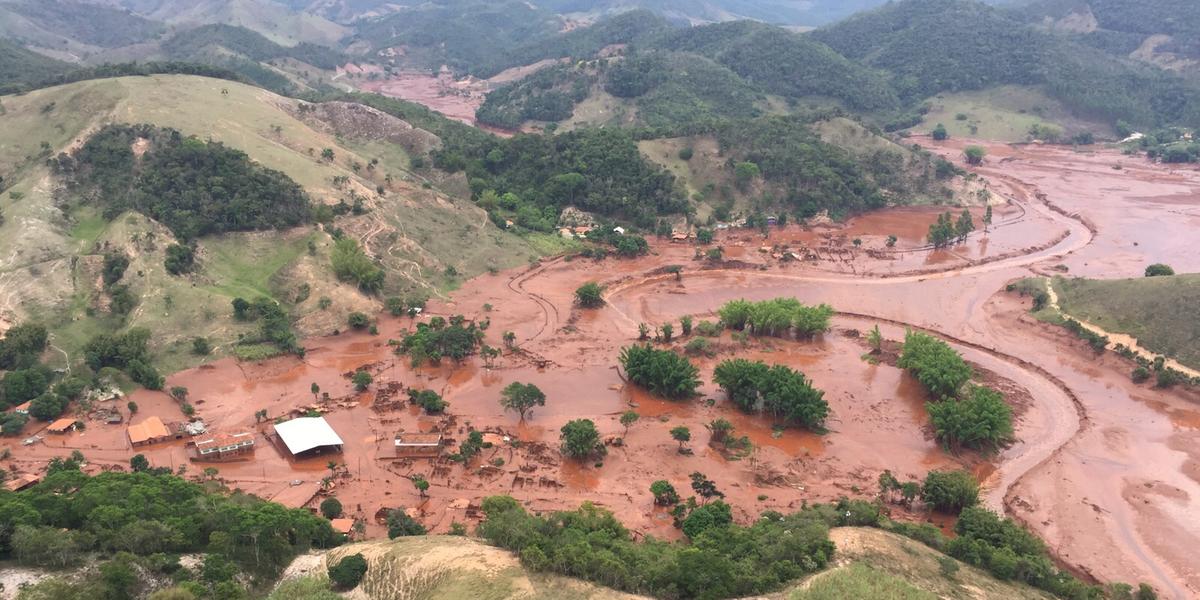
[(1107, 472)]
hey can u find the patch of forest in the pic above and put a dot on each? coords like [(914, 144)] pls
[(194, 187)]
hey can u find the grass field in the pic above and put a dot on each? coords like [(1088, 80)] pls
[(1003, 114), (1160, 312), (861, 581)]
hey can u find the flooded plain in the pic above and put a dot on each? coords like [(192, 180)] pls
[(1107, 472)]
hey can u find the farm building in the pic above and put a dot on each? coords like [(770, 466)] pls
[(418, 445), (153, 431), (342, 526), (63, 425), (23, 409), (219, 446), (307, 436)]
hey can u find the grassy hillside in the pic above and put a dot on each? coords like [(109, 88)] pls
[(870, 564), (85, 23), (1005, 113), (1160, 312), (50, 259)]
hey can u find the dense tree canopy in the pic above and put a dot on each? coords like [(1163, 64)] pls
[(936, 365), (663, 372), (194, 187)]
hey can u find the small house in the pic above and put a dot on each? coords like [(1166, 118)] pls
[(418, 445), (343, 526), (63, 425), (23, 409), (220, 446), (150, 431), (21, 482)]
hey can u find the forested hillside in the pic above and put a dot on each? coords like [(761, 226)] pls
[(19, 67), (82, 22), (933, 46)]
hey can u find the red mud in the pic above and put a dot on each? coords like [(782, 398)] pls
[(1105, 471)]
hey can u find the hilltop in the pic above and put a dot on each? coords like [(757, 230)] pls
[(53, 247)]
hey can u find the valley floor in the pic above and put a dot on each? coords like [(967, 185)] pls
[(1104, 470)]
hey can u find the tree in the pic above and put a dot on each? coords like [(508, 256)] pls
[(47, 407), (179, 393), (348, 572), (399, 524), (1159, 270), (315, 389), (429, 400), (521, 398), (980, 420), (875, 339), (663, 372), (139, 463), (132, 406), (937, 366), (580, 439), (327, 154), (590, 295), (664, 493), (964, 226), (745, 172), (180, 259), (510, 340), (950, 491), (628, 419), (421, 484), (685, 325), (710, 516), (987, 217), (705, 487), (667, 331), (974, 155), (682, 435), (362, 380), (704, 236), (940, 134), (720, 430), (331, 508)]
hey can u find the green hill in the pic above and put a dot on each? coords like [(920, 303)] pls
[(53, 252), (19, 67), (933, 46), (1159, 312)]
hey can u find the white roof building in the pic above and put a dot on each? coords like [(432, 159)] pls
[(307, 433)]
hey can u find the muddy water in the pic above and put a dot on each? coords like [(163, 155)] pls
[(1107, 472)]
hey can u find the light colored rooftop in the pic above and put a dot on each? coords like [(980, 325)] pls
[(305, 433)]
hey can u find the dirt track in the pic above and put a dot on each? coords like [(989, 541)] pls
[(1105, 471)]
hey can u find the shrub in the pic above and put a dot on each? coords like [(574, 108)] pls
[(358, 320), (708, 329), (980, 420), (180, 259), (1140, 374), (1159, 270), (664, 493), (428, 400), (590, 295), (348, 572), (936, 365), (950, 491), (661, 371)]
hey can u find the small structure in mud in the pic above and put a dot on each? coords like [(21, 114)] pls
[(418, 445), (64, 425), (222, 446), (307, 436), (153, 431), (23, 409), (343, 526)]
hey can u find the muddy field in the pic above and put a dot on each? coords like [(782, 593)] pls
[(1105, 471)]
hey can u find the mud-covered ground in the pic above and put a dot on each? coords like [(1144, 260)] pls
[(1106, 471)]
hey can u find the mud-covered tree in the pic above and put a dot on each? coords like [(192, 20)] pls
[(661, 371), (974, 155), (628, 418), (331, 508), (964, 226), (580, 439), (950, 491), (361, 380), (741, 380), (681, 434), (421, 485), (664, 493), (522, 398), (590, 295)]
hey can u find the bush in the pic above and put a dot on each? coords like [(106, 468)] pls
[(782, 392), (980, 420), (590, 295), (709, 329), (429, 400), (664, 493), (358, 320), (776, 317), (661, 371), (180, 259), (348, 572), (950, 491), (1159, 270), (936, 365), (1140, 374)]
